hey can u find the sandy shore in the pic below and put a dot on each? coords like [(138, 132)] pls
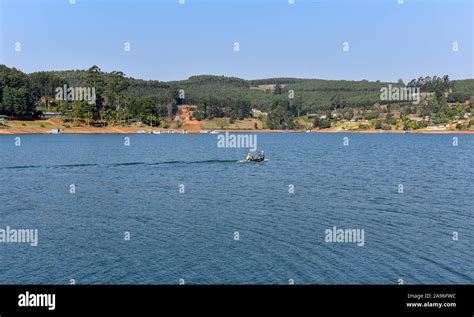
[(133, 130), (190, 127)]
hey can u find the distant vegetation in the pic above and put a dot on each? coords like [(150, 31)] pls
[(282, 101)]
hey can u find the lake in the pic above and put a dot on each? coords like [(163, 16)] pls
[(177, 208)]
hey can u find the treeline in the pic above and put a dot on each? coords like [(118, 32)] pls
[(16, 93), (120, 99), (432, 84), (271, 81), (115, 99)]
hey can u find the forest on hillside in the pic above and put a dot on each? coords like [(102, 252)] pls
[(119, 98)]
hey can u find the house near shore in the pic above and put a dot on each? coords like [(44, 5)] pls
[(437, 128), (3, 118), (256, 113), (51, 115)]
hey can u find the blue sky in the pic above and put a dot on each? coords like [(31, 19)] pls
[(170, 41)]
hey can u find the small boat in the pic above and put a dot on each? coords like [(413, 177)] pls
[(141, 131), (258, 159), (156, 132)]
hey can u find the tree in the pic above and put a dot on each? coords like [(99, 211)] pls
[(378, 125), (280, 117), (17, 102), (458, 97), (82, 110), (44, 84), (277, 89), (446, 83), (174, 93), (16, 95), (298, 105), (370, 115), (117, 85), (337, 102), (94, 78), (8, 101), (321, 123), (390, 119), (432, 107), (197, 115), (349, 114)]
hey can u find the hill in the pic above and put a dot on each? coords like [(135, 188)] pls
[(119, 99)]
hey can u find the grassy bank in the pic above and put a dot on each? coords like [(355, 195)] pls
[(194, 126)]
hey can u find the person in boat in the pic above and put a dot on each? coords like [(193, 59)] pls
[(261, 156), (250, 157)]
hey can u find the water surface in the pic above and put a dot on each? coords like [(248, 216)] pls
[(190, 235)]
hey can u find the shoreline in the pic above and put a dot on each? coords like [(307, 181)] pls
[(127, 130)]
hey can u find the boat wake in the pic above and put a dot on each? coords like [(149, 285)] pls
[(194, 162), (119, 164)]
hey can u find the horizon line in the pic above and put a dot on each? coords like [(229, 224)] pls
[(230, 76)]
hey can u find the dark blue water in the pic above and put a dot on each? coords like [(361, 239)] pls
[(190, 235)]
